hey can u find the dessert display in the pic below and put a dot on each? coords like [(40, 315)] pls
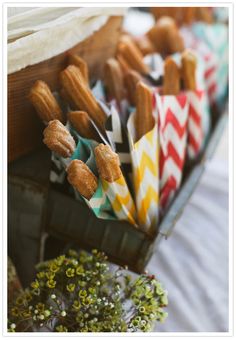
[(128, 138)]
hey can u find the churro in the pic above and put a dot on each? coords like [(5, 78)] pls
[(166, 37), (130, 80), (123, 64), (74, 84), (82, 178), (58, 139), (171, 81), (204, 14), (44, 102), (188, 70), (81, 122), (108, 163), (132, 55), (113, 79), (81, 64), (145, 45), (144, 121)]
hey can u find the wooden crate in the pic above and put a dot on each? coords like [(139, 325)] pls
[(24, 127)]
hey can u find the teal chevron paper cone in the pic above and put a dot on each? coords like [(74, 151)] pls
[(216, 37), (85, 152), (99, 203)]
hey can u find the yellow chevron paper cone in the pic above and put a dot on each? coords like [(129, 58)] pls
[(120, 199), (144, 156)]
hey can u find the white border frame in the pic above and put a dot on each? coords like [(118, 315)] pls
[(3, 205)]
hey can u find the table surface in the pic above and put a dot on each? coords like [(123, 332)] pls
[(193, 262)]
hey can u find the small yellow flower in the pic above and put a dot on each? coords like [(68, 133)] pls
[(35, 284), (26, 314), (28, 296), (60, 259), (82, 294), (47, 313), (40, 306), (61, 328), (51, 283), (53, 267), (79, 270), (36, 291), (76, 305), (50, 275), (70, 272), (40, 275), (19, 300), (70, 287), (15, 311)]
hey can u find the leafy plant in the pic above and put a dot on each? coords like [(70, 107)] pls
[(79, 293)]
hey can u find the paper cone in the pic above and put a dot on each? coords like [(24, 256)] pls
[(99, 203), (144, 156), (196, 119), (207, 62), (118, 139), (215, 37), (120, 199), (173, 119)]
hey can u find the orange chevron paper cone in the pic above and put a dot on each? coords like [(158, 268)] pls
[(195, 123), (144, 157), (120, 199), (173, 119)]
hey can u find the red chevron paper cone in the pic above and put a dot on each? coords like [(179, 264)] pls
[(210, 76), (173, 120), (195, 123), (209, 62)]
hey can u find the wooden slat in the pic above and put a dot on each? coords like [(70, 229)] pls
[(24, 127)]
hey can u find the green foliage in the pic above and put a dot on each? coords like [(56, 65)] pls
[(78, 293)]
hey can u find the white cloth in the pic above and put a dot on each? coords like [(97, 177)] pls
[(193, 263), (42, 33)]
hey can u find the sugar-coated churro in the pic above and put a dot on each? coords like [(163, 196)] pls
[(144, 121), (166, 37), (83, 99), (171, 81), (81, 64), (188, 70), (132, 55), (108, 163), (82, 178), (113, 79), (44, 102), (131, 80), (81, 122), (58, 139)]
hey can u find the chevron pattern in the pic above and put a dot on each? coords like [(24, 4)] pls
[(118, 138), (173, 119), (120, 199), (100, 204), (210, 76), (208, 59), (195, 123), (144, 156), (216, 38)]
